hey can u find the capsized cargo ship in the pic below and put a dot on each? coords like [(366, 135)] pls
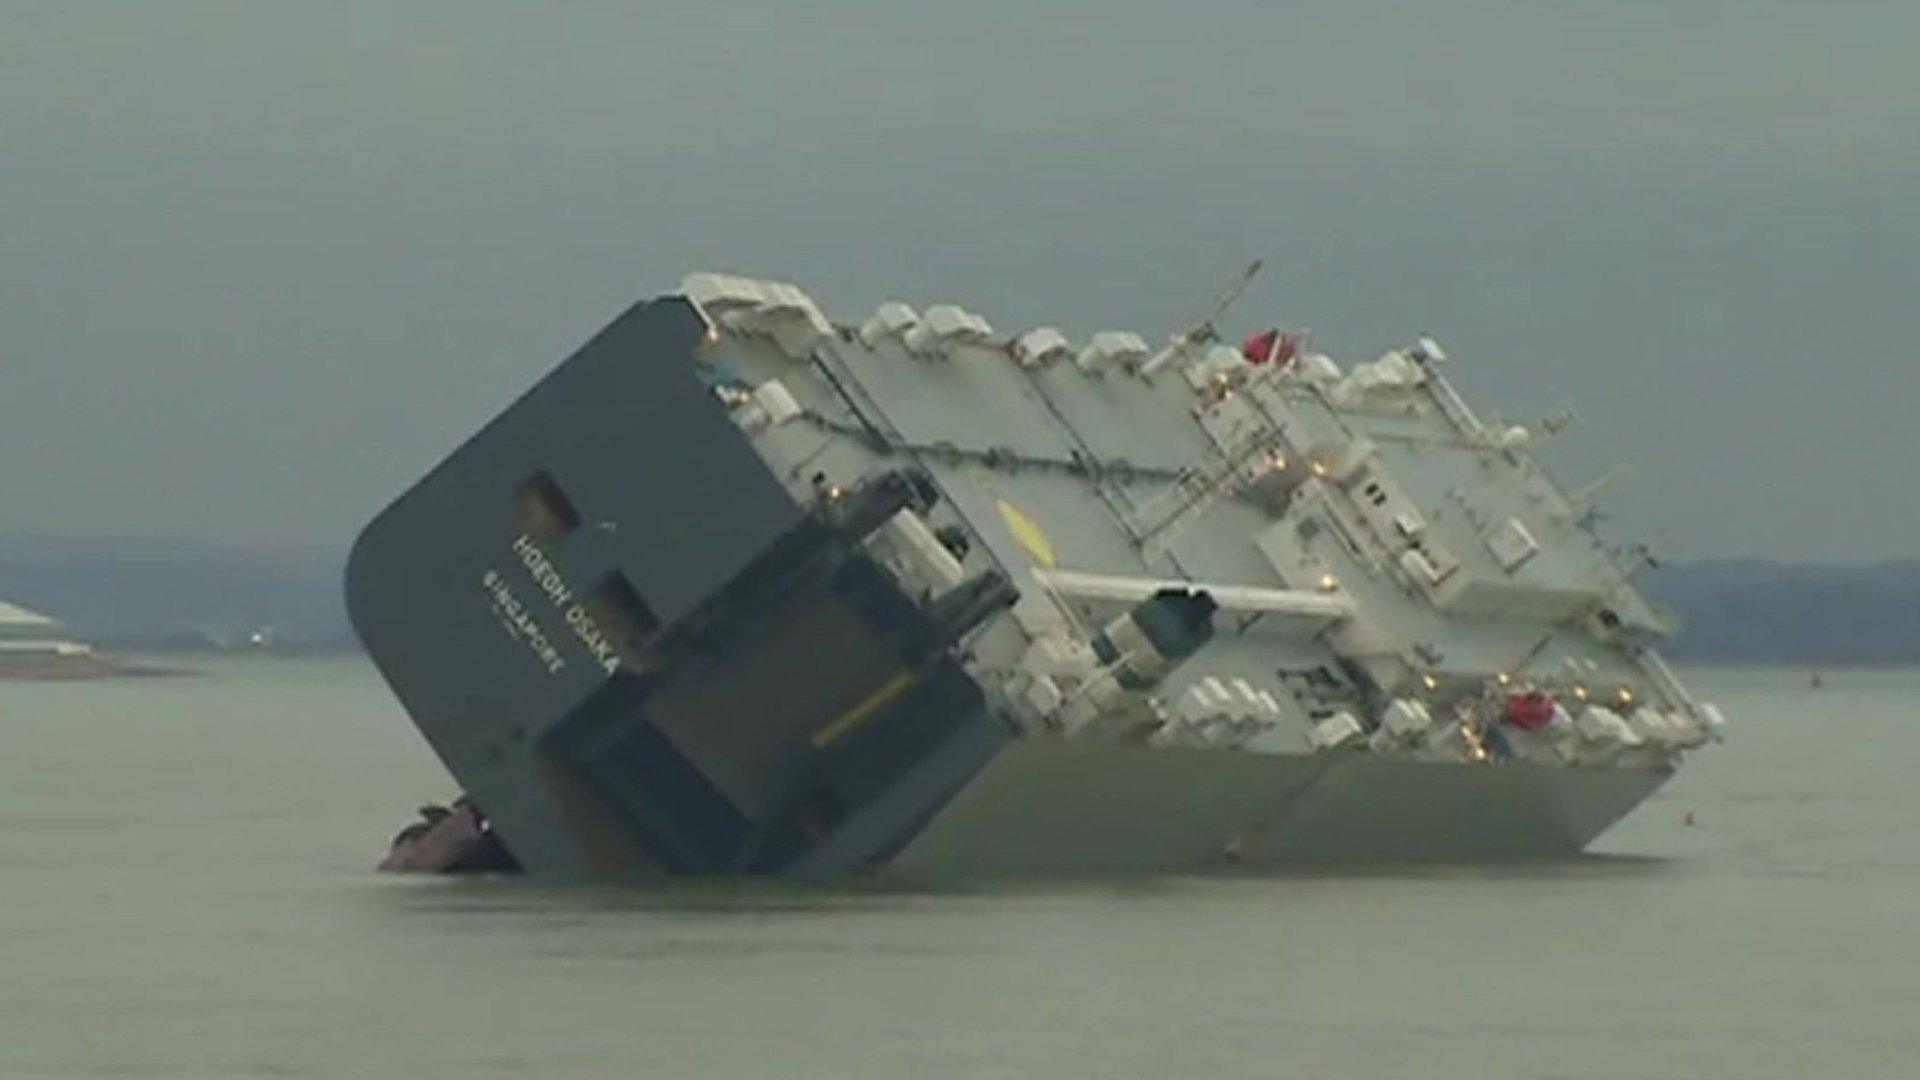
[(739, 588)]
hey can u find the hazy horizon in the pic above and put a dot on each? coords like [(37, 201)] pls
[(266, 266)]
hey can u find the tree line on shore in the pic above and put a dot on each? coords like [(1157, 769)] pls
[(186, 593)]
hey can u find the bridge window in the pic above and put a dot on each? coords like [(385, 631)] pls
[(543, 510), (616, 606)]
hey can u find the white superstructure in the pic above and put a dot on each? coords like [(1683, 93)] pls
[(36, 646), (1394, 578), (27, 633)]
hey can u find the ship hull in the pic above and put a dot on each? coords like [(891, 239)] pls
[(1053, 806), (647, 644)]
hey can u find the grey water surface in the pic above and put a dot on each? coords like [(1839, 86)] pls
[(185, 892)]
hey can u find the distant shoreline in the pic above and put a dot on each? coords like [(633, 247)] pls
[(91, 668), (173, 597)]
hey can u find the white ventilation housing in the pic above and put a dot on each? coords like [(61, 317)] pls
[(776, 401), (1041, 345), (1253, 704), (908, 544), (1216, 693), (770, 309), (1043, 695), (1670, 730), (1512, 545), (1419, 567), (1406, 718), (1711, 719), (1269, 705), (1390, 375), (944, 326), (1202, 702), (790, 317), (1599, 724), (1397, 370), (1336, 731), (1316, 368), (1217, 361), (1683, 732), (719, 294), (1109, 347), (892, 319)]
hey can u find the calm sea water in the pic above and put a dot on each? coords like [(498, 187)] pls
[(185, 892)]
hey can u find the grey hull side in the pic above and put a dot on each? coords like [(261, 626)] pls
[(1051, 806), (641, 654)]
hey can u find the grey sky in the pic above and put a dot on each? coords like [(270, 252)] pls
[(262, 264)]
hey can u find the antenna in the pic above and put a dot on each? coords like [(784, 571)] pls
[(1583, 497), (1181, 346), (1560, 421)]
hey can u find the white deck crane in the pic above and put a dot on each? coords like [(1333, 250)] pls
[(1183, 345)]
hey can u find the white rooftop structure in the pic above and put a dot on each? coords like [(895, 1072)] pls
[(16, 619), (25, 632)]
